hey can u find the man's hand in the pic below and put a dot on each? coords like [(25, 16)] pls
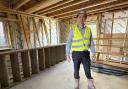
[(68, 58), (93, 59)]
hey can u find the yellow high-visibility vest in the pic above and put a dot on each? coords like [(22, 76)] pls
[(79, 42)]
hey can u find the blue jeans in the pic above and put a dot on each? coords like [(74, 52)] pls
[(84, 58)]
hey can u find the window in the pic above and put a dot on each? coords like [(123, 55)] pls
[(2, 36)]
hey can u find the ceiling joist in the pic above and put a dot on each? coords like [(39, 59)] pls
[(42, 5), (104, 9), (21, 3), (67, 6), (54, 7), (90, 6)]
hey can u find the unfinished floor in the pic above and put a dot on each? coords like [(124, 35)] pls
[(60, 76)]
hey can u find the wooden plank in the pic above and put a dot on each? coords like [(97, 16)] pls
[(15, 12), (42, 31), (71, 14), (84, 8), (52, 55), (41, 56), (8, 19), (20, 3), (63, 52), (67, 6), (4, 75), (123, 66), (47, 57), (115, 46), (42, 5), (15, 67), (54, 7), (110, 38), (26, 63), (34, 61), (50, 27), (98, 28), (57, 54), (22, 25), (36, 31), (12, 31), (114, 53), (26, 30)]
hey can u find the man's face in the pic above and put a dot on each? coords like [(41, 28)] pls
[(81, 19)]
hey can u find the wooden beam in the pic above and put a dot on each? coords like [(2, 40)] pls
[(8, 19), (41, 58), (111, 7), (4, 73), (36, 31), (42, 5), (34, 61), (114, 64), (21, 3), (69, 16), (90, 6), (54, 7), (47, 57), (16, 12), (15, 67), (26, 64), (67, 6)]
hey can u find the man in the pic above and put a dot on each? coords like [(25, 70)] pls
[(79, 41)]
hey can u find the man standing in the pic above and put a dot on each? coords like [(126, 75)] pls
[(79, 41)]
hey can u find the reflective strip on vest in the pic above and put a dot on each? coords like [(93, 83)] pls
[(81, 40)]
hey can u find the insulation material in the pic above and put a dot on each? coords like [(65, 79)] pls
[(108, 26), (119, 25), (119, 14), (31, 33), (64, 30), (106, 22), (54, 32), (47, 37)]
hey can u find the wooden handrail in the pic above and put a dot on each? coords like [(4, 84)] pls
[(110, 38), (114, 53), (21, 50), (115, 46)]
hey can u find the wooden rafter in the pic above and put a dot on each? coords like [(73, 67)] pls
[(53, 7), (111, 7), (42, 5), (90, 6), (68, 16), (103, 9), (67, 6), (21, 3), (12, 11)]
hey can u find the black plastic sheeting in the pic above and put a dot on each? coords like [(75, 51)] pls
[(109, 70)]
